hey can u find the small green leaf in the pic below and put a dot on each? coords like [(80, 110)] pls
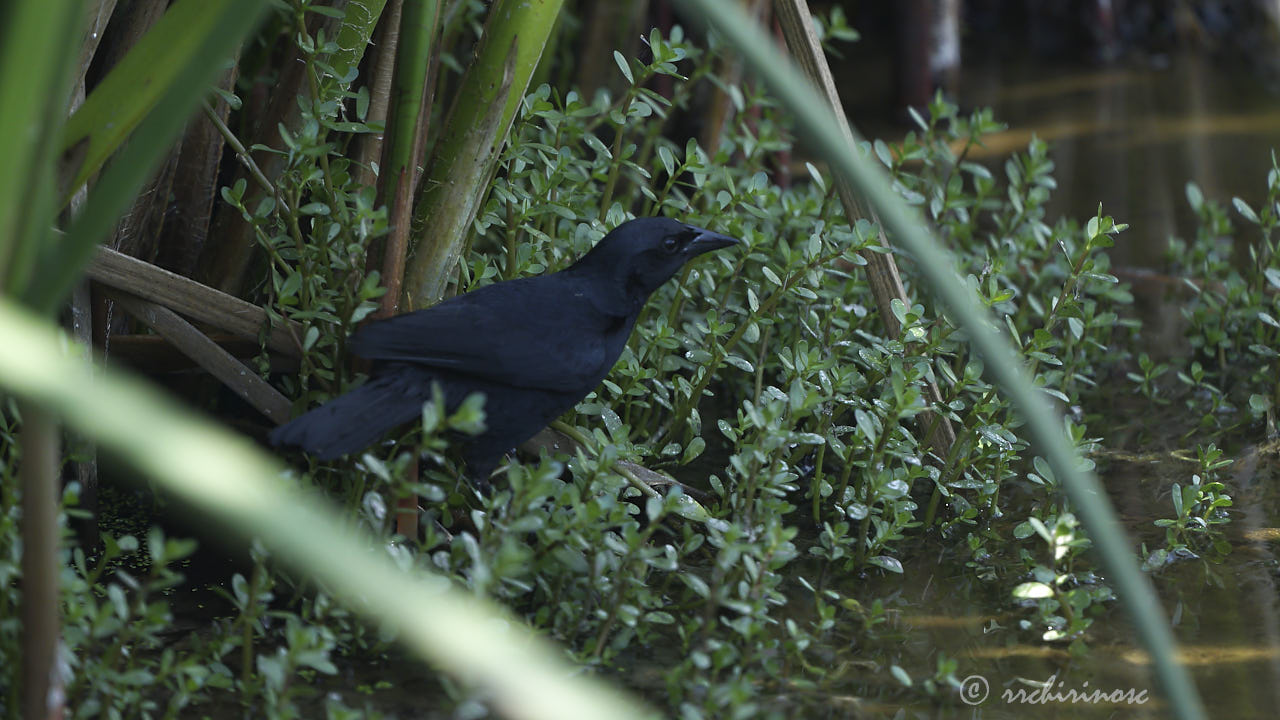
[(1076, 326), (1247, 212), (362, 103), (1032, 591), (1195, 198), (292, 283), (653, 509), (693, 449), (888, 563), (612, 422), (1040, 529), (696, 584), (882, 152), (667, 158), (115, 594), (624, 66)]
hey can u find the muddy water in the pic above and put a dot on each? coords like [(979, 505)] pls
[(1129, 137), (1227, 617)]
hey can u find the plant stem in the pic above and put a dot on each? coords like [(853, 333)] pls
[(246, 159), (39, 479)]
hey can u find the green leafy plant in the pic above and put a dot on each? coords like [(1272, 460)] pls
[(763, 381), (1061, 594), (316, 221), (1198, 507), (812, 406), (1231, 316)]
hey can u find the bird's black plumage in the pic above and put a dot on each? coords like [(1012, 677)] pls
[(533, 346)]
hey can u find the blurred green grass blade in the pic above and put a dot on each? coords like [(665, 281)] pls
[(822, 133), (225, 476), (192, 34), (147, 99), (37, 47)]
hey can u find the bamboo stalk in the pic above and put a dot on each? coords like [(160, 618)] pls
[(410, 125), (369, 147), (358, 24), (467, 152), (413, 95)]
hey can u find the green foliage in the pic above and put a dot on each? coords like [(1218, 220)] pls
[(317, 223), (1198, 508), (764, 381), (1230, 379), (116, 646), (1060, 593), (120, 655), (1148, 379), (834, 28)]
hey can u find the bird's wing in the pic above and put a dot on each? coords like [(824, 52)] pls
[(536, 333)]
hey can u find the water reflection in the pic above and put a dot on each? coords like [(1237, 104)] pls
[(1132, 137), (1226, 615)]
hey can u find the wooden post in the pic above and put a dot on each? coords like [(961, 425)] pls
[(208, 355), (38, 474), (882, 270), (190, 298)]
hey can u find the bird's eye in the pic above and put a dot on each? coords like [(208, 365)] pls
[(674, 243)]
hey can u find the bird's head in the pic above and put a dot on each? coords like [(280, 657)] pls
[(644, 253)]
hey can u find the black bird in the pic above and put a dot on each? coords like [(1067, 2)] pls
[(534, 346)]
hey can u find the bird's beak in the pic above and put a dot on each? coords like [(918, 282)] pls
[(706, 241)]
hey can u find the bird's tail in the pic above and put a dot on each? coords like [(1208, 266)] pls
[(351, 422)]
